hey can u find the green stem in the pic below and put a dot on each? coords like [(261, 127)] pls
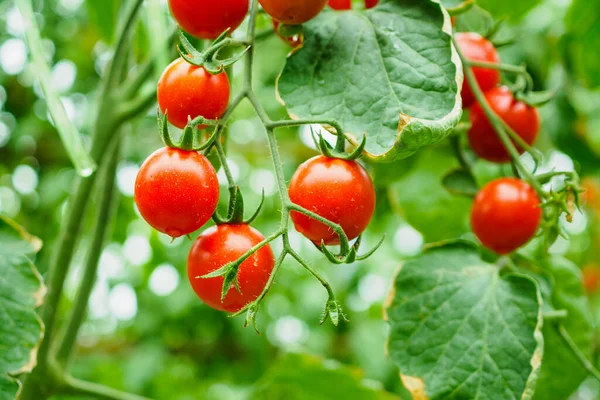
[(513, 69), (312, 271), (83, 162), (583, 360), (105, 189), (125, 26), (78, 387), (497, 123)]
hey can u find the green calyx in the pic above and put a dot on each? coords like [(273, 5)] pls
[(209, 59), (235, 212), (339, 151), (187, 141)]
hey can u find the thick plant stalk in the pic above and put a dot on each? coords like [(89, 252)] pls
[(105, 189)]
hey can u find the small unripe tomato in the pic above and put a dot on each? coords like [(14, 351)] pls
[(219, 246), (477, 48), (506, 214), (176, 191), (340, 191), (522, 118), (185, 90)]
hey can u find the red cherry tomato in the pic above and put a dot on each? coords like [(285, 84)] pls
[(338, 190), (176, 191), (371, 3), (522, 118), (506, 214), (477, 48), (591, 278), (293, 12), (207, 19), (293, 41), (220, 245), (340, 4), (186, 90)]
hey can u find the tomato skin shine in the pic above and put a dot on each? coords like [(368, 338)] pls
[(293, 12), (477, 48), (176, 191), (522, 118), (207, 19), (338, 190), (220, 245), (506, 214), (187, 90)]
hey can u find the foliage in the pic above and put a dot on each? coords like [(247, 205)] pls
[(461, 322)]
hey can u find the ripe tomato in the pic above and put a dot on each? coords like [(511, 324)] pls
[(220, 245), (506, 214), (522, 118), (477, 48), (340, 4), (338, 190), (371, 3), (176, 191), (293, 12), (207, 19), (591, 278), (186, 90)]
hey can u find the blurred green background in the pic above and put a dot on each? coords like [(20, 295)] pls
[(146, 331)]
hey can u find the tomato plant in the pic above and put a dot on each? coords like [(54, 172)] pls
[(338, 190), (434, 160), (223, 244), (523, 119), (186, 91), (207, 19), (177, 191)]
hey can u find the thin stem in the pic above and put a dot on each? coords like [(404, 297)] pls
[(78, 387), (496, 122), (106, 192), (223, 158), (583, 360), (314, 273), (552, 174), (513, 69), (126, 24), (256, 303)]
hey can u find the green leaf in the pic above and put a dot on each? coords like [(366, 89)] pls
[(461, 331), (21, 292), (559, 361), (301, 376), (475, 20), (103, 14), (511, 9), (460, 182), (583, 24), (456, 7), (390, 73), (426, 204)]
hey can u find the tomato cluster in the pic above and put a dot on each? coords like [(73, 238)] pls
[(507, 212), (177, 189)]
